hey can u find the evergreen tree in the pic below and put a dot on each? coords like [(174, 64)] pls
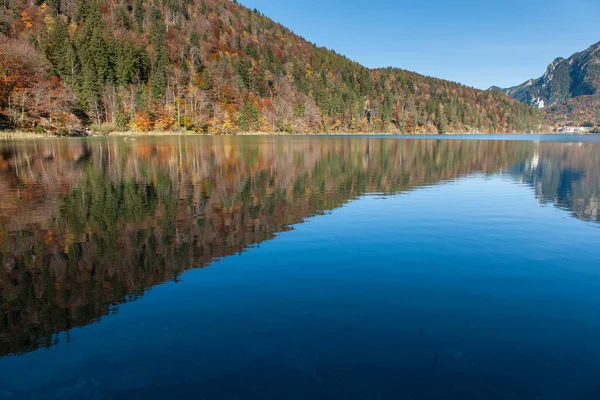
[(206, 84), (244, 72), (252, 113), (53, 7), (61, 53), (243, 123), (159, 76), (123, 17), (121, 119), (270, 60), (441, 121), (138, 12), (161, 63), (194, 40), (252, 51)]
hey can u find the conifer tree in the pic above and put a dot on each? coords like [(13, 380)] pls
[(161, 62), (138, 12), (206, 84), (61, 53)]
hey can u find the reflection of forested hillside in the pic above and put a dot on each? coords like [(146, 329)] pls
[(86, 225), (567, 175)]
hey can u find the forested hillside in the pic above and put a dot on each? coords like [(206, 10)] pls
[(212, 66)]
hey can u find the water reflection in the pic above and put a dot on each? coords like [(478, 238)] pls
[(566, 175), (89, 224)]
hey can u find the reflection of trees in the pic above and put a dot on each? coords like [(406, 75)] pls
[(567, 175), (89, 225)]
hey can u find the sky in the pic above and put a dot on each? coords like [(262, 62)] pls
[(479, 43)]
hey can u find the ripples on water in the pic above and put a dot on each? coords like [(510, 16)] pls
[(409, 269)]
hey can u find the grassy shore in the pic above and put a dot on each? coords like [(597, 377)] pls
[(11, 135)]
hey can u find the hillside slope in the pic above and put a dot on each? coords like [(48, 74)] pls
[(213, 66), (569, 91)]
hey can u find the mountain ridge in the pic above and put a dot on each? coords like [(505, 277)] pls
[(569, 90)]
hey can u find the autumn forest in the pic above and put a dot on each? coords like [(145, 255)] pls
[(212, 66)]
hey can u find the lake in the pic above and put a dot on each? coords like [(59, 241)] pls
[(300, 268)]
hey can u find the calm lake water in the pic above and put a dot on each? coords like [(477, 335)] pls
[(300, 268)]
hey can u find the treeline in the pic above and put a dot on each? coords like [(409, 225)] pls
[(213, 66)]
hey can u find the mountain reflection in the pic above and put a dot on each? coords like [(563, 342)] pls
[(87, 225), (566, 175)]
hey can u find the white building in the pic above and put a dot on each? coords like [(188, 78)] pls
[(572, 129)]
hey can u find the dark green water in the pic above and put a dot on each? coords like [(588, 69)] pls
[(300, 268)]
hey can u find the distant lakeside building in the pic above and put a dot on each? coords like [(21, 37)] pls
[(572, 129)]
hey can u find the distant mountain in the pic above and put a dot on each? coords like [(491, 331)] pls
[(212, 66), (569, 91)]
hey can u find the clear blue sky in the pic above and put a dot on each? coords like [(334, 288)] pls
[(476, 42)]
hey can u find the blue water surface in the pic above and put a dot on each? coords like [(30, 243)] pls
[(464, 288)]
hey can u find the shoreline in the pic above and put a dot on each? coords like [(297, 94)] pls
[(26, 135), (21, 135)]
